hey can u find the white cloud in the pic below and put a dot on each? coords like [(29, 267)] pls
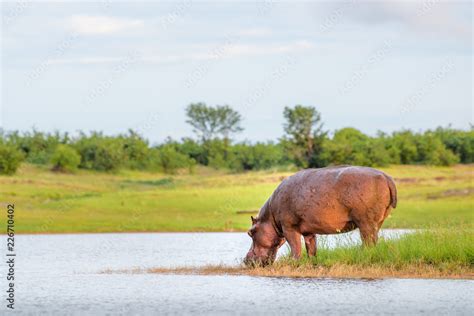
[(226, 51), (435, 16), (93, 25), (255, 32), (249, 50)]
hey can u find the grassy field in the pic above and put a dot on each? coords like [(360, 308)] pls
[(49, 202), (440, 253)]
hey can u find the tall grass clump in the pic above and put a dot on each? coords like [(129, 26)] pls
[(442, 249)]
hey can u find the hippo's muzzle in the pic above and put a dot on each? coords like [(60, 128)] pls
[(252, 260)]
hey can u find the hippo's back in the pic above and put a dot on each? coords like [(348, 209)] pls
[(331, 191)]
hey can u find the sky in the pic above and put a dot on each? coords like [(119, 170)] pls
[(116, 65)]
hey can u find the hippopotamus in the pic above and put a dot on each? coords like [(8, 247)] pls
[(327, 200)]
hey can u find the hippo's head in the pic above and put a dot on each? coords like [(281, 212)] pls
[(265, 243)]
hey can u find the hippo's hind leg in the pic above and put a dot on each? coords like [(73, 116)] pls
[(369, 233), (310, 243), (368, 227)]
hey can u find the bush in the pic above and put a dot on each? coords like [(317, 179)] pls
[(459, 142), (442, 146), (136, 151), (192, 149), (432, 151), (65, 159), (405, 145), (36, 146), (10, 159), (256, 157), (218, 154), (170, 160), (100, 153), (351, 146)]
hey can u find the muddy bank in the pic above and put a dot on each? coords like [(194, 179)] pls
[(421, 271)]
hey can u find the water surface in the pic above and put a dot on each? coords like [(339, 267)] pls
[(59, 274)]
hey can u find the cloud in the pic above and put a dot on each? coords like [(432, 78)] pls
[(435, 16), (240, 50), (255, 32), (96, 25), (226, 51)]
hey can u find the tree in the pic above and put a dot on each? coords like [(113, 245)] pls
[(405, 142), (432, 151), (458, 141), (351, 146), (304, 135), (210, 122)]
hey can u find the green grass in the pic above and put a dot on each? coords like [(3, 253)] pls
[(50, 202), (430, 253), (442, 248)]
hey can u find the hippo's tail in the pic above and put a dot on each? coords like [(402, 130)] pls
[(393, 191)]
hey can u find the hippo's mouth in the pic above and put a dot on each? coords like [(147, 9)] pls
[(252, 260), (254, 263)]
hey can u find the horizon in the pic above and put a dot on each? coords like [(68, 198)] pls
[(233, 140), (98, 66)]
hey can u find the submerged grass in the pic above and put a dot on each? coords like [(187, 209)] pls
[(438, 253)]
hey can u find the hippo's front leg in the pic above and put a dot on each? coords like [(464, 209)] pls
[(310, 243), (294, 239)]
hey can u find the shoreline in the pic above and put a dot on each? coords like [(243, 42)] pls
[(137, 232), (337, 271), (180, 232)]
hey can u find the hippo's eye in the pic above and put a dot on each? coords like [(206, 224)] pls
[(252, 231)]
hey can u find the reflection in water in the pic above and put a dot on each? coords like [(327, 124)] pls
[(60, 273)]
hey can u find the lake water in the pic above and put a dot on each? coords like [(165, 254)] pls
[(61, 274)]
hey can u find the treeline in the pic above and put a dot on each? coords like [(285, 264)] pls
[(305, 144)]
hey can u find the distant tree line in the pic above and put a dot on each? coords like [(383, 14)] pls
[(305, 144)]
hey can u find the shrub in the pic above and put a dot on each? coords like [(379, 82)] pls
[(10, 158), (432, 151), (459, 142), (256, 157), (351, 146), (405, 145), (36, 146), (170, 160), (192, 149), (100, 153), (136, 151), (65, 159)]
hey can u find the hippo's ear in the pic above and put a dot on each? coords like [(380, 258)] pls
[(253, 220)]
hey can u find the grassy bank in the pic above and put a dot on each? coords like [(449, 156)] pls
[(427, 254), (49, 202)]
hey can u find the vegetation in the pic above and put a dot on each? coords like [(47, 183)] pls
[(213, 122), (304, 144), (208, 200), (304, 136), (439, 253), (65, 159), (10, 158), (443, 248), (122, 183), (171, 160)]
